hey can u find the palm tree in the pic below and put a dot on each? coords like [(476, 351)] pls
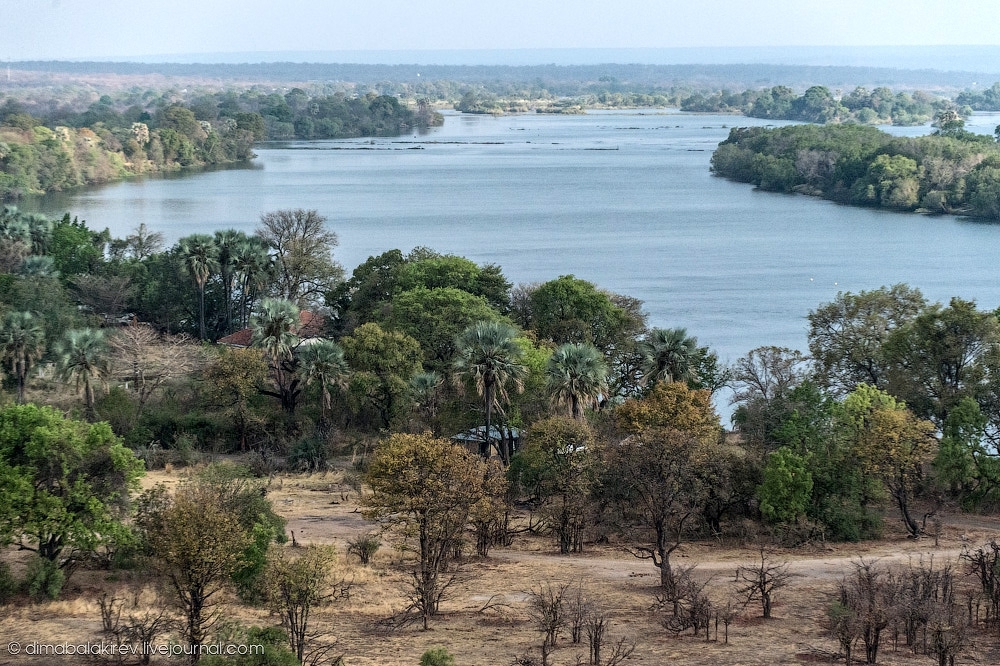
[(22, 341), (252, 263), (83, 357), (201, 258), (487, 355), (576, 373), (227, 242), (426, 389), (274, 332), (667, 356), (324, 362)]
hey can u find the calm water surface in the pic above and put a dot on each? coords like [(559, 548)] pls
[(624, 199)]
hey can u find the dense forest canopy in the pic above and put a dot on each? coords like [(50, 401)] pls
[(950, 171)]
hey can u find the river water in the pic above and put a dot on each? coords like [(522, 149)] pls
[(623, 199)]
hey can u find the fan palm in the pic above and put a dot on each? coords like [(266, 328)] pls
[(251, 263), (576, 374), (83, 358), (487, 356), (667, 356), (228, 242), (22, 341), (274, 332), (201, 258), (324, 362)]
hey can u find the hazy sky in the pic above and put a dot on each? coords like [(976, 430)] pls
[(39, 29)]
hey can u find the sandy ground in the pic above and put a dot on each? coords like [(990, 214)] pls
[(321, 509)]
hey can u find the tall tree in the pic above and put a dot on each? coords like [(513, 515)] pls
[(304, 267), (487, 356), (201, 259), (274, 331), (423, 487), (83, 357), (253, 267), (848, 335), (576, 375), (22, 341), (227, 244)]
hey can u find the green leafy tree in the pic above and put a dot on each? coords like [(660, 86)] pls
[(75, 248), (488, 357), (22, 341), (448, 271), (847, 336), (435, 318), (577, 375), (82, 356), (366, 294), (572, 310), (787, 488), (64, 484), (383, 363)]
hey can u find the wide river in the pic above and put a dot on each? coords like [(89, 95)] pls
[(623, 199)]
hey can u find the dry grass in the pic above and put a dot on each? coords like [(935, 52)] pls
[(320, 510)]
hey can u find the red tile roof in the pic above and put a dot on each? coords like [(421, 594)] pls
[(310, 326)]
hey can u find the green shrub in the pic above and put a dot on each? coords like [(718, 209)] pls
[(365, 546), (119, 409), (309, 454), (437, 657), (44, 578)]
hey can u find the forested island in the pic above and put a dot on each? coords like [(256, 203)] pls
[(950, 171), (53, 148)]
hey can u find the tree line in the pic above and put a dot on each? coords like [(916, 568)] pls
[(817, 104), (45, 149), (950, 171)]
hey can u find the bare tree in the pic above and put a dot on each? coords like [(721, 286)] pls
[(548, 610), (761, 581), (147, 360), (598, 625), (685, 605), (867, 605)]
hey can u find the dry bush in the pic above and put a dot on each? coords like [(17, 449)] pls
[(761, 581)]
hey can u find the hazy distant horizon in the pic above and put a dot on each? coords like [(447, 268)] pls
[(966, 58)]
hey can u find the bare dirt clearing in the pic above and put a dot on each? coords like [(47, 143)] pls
[(324, 509)]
